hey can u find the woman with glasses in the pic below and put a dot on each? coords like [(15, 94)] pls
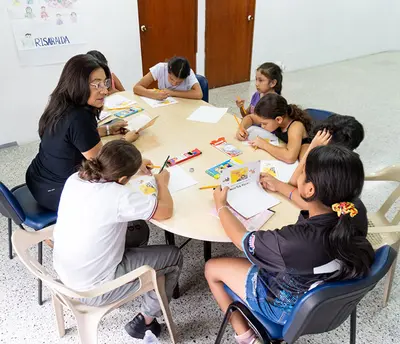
[(68, 128)]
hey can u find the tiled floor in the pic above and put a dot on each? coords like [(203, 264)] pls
[(366, 88)]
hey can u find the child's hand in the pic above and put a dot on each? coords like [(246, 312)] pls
[(131, 136), (163, 177), (160, 94), (146, 167), (220, 196), (167, 92), (268, 182), (258, 143), (242, 134), (119, 128), (239, 103), (322, 138)]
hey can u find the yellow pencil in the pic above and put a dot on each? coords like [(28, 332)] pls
[(237, 121), (242, 107), (153, 166), (208, 187)]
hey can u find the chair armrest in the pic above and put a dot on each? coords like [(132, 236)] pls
[(384, 229), (390, 173), (120, 281)]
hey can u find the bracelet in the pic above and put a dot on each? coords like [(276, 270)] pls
[(220, 208), (107, 130), (291, 193)]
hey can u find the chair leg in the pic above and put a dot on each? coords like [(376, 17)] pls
[(169, 238), (58, 309), (162, 299), (40, 287), (353, 323), (87, 327), (10, 250), (225, 322), (389, 278), (207, 250)]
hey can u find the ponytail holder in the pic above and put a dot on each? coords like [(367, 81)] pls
[(344, 208)]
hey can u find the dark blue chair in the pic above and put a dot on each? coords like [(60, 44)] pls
[(322, 309), (204, 86), (18, 205), (319, 115)]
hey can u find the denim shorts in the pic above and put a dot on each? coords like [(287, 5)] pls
[(256, 299)]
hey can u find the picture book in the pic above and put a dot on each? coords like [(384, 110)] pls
[(216, 170), (246, 196), (226, 147), (278, 169), (252, 224)]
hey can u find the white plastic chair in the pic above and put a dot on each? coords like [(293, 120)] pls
[(381, 231), (88, 317)]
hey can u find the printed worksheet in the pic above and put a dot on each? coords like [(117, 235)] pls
[(154, 103)]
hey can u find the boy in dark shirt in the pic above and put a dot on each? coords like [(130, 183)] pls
[(327, 243)]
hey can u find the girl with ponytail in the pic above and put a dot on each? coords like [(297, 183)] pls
[(287, 121), (327, 243), (101, 234)]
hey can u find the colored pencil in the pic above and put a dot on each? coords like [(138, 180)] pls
[(208, 187), (237, 121), (165, 164), (242, 107), (153, 166)]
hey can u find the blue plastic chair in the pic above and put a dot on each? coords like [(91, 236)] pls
[(204, 86), (319, 115), (322, 309), (18, 205)]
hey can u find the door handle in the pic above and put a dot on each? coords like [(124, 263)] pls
[(250, 17), (143, 28)]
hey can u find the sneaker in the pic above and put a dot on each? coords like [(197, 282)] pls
[(137, 327)]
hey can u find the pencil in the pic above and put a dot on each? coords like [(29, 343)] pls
[(242, 107), (165, 164), (237, 121), (208, 187), (153, 166)]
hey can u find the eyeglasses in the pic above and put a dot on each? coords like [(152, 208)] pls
[(100, 84)]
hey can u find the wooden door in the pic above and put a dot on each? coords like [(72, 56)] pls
[(167, 29), (228, 41)]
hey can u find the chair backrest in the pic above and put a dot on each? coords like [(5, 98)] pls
[(9, 206), (204, 86), (388, 174), (326, 307), (319, 115)]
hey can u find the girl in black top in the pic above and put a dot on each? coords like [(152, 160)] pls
[(68, 128), (287, 121), (327, 243)]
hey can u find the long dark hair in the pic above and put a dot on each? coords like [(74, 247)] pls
[(337, 174), (116, 159), (272, 72), (179, 66), (73, 89), (98, 55), (273, 105)]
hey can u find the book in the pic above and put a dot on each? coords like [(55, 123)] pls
[(245, 195)]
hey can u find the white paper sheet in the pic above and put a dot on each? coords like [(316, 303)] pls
[(179, 179), (283, 171), (255, 131), (207, 114), (154, 103), (138, 121), (117, 101)]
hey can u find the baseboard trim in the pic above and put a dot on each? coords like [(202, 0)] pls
[(9, 144)]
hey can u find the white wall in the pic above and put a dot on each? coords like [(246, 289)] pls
[(300, 33), (306, 33)]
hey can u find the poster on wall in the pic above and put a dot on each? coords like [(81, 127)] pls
[(46, 31)]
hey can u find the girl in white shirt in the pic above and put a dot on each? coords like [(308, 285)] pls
[(91, 242), (175, 79)]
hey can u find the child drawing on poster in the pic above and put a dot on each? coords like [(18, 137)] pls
[(29, 13), (59, 20), (74, 17), (43, 13), (29, 2), (16, 2), (239, 175)]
